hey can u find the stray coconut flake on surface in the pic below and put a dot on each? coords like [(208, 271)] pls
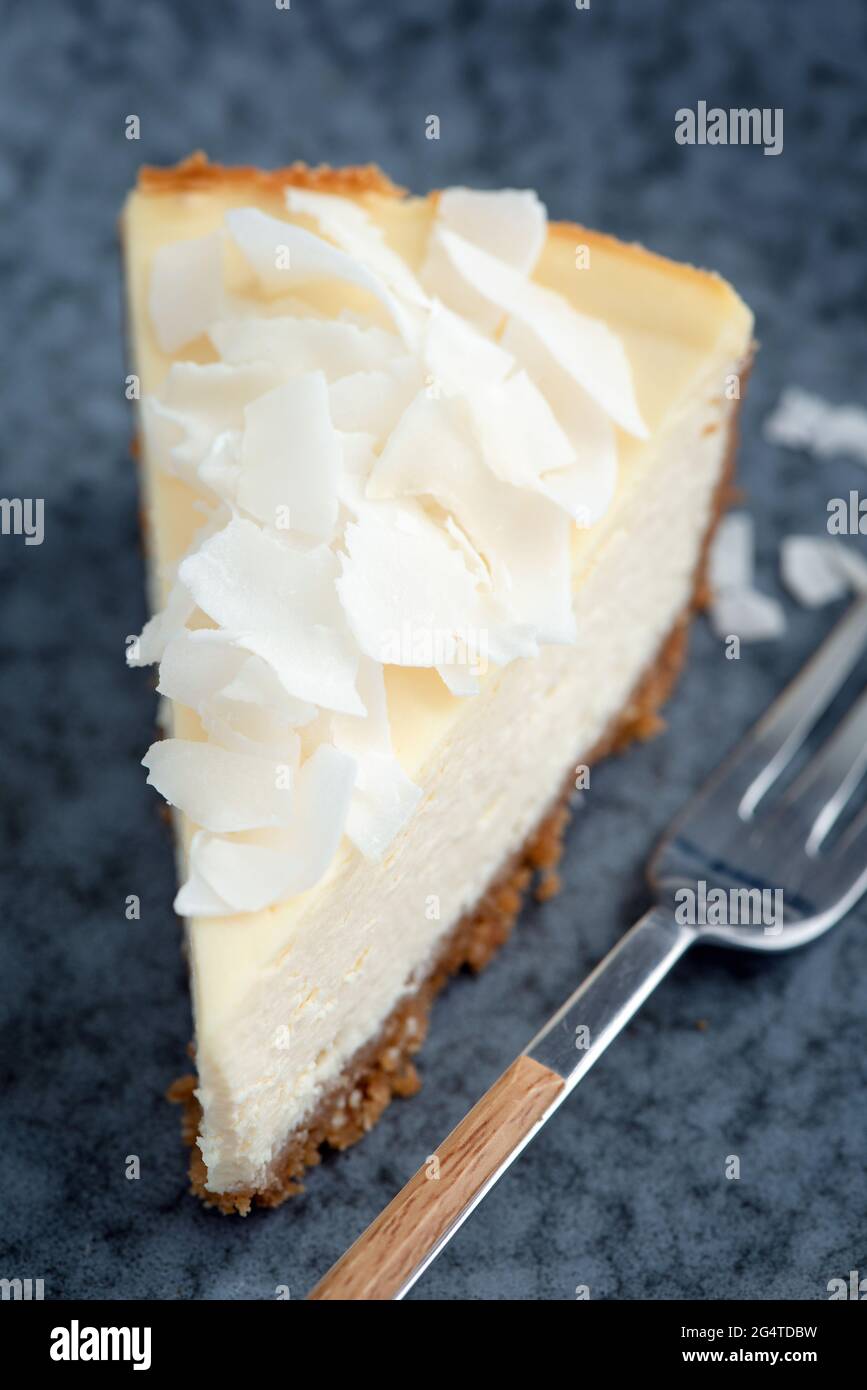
[(737, 608), (821, 569), (803, 420)]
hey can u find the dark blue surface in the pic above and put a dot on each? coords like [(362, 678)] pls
[(625, 1189)]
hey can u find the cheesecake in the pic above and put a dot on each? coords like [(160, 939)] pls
[(428, 483)]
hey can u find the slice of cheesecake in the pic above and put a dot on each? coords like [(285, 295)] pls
[(427, 485)]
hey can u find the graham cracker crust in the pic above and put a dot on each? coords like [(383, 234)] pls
[(384, 1068)]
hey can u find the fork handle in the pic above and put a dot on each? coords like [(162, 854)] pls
[(403, 1240)]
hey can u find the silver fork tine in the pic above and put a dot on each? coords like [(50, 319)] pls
[(822, 791), (846, 864), (779, 734)]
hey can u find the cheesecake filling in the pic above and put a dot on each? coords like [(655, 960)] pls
[(389, 465)]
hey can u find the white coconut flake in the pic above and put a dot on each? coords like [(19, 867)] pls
[(518, 432), (358, 457), (246, 728), (186, 290), (818, 570), (370, 734), (738, 609), (196, 898), (291, 458), (250, 873), (854, 565), (256, 684), (508, 224), (296, 345), (524, 539), (279, 604), (198, 406), (382, 804), (584, 347), (218, 789), (587, 487), (220, 470), (730, 564), (282, 254), (383, 798), (403, 590), (803, 420), (458, 356), (749, 615), (371, 403), (159, 630), (197, 665), (350, 227), (459, 680)]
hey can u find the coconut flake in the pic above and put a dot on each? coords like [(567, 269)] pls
[(382, 804), (243, 727), (459, 680), (737, 609), (159, 630), (218, 789), (518, 431), (196, 898), (256, 684), (584, 347), (587, 487), (351, 228), (371, 403), (198, 406), (854, 566), (402, 588), (291, 458), (383, 798), (197, 665), (524, 539), (281, 254), (458, 356), (220, 469), (249, 874), (730, 564), (802, 420), (508, 224), (279, 604), (296, 345), (820, 569), (186, 290), (749, 615)]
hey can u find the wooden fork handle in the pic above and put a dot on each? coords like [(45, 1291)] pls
[(446, 1188)]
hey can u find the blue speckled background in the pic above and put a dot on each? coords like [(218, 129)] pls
[(624, 1190)]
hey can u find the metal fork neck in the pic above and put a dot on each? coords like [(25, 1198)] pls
[(592, 1017)]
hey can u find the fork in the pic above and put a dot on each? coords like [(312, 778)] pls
[(727, 848)]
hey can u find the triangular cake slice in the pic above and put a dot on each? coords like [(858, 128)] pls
[(428, 484)]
